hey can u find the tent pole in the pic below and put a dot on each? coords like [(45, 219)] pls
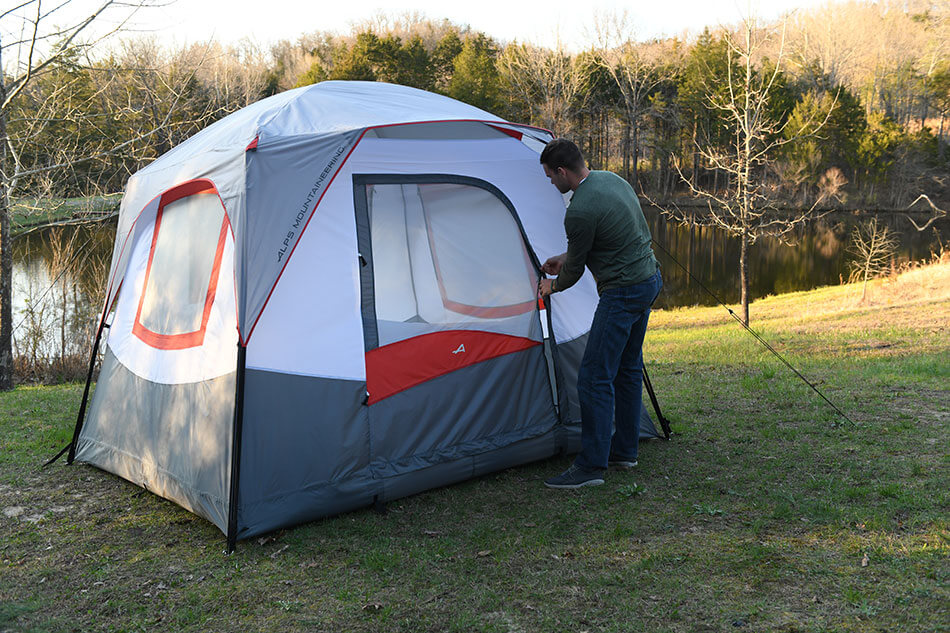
[(85, 393), (238, 428), (656, 405)]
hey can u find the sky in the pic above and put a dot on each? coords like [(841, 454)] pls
[(540, 22)]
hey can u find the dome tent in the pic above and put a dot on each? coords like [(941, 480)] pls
[(328, 299)]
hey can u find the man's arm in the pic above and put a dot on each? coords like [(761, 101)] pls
[(580, 239)]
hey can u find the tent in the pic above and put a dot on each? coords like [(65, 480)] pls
[(328, 299)]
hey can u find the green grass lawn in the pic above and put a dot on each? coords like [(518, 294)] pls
[(766, 512)]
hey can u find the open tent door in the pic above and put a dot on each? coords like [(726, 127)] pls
[(450, 318)]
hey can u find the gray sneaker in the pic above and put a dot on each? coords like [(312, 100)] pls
[(621, 463), (576, 477)]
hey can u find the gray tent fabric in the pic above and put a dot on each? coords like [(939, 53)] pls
[(306, 464), (286, 178), (307, 450), (170, 439), (485, 402)]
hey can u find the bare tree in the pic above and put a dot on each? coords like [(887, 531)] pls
[(636, 74), (33, 40), (873, 245), (547, 81), (748, 209), (820, 46), (886, 51)]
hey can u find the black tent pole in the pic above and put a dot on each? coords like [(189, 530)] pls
[(656, 405), (238, 431), (85, 393)]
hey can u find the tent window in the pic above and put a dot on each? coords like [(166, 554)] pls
[(447, 256), (183, 265)]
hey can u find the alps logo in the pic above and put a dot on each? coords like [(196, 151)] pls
[(460, 350)]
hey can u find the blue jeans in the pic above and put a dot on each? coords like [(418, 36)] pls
[(610, 379)]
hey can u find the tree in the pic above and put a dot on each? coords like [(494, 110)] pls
[(386, 58), (46, 114), (637, 77), (872, 246), (877, 150), (707, 69), (475, 79), (805, 158), (939, 88), (744, 106), (542, 82), (443, 58)]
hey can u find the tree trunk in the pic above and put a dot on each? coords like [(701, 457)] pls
[(864, 288), (6, 256), (635, 155), (940, 142), (626, 148), (62, 329), (590, 136), (695, 152), (744, 275), (655, 160)]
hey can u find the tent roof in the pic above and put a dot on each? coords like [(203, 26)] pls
[(324, 108)]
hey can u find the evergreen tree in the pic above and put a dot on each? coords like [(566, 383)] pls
[(475, 78), (443, 59)]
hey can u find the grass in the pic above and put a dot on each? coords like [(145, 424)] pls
[(31, 212), (767, 511)]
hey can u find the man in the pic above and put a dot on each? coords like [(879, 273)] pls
[(607, 233)]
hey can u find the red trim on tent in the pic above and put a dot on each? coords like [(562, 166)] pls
[(252, 144), (494, 312), (327, 188), (187, 339), (185, 189), (398, 366), (516, 134), (125, 242)]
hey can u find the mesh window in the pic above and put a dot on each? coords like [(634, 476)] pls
[(182, 267), (448, 256)]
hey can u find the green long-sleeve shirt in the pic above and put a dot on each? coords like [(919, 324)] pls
[(606, 232)]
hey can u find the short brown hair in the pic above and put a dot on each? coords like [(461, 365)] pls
[(562, 153)]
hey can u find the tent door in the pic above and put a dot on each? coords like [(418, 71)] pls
[(453, 339)]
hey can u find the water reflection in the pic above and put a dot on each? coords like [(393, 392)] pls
[(58, 281), (818, 257)]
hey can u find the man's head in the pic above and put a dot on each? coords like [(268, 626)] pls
[(563, 164)]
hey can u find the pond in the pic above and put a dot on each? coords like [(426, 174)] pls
[(50, 318), (58, 289), (817, 256)]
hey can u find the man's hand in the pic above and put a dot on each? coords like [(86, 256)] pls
[(544, 287), (553, 264)]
